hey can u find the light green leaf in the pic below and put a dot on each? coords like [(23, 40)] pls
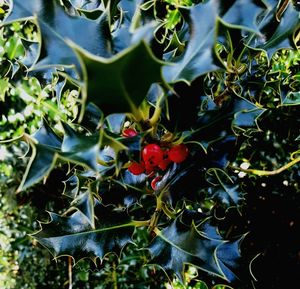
[(4, 87)]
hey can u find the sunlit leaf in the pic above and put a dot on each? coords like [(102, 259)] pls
[(56, 26)]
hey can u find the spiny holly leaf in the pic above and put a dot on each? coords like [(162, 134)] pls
[(44, 144), (85, 204), (179, 244), (71, 186), (86, 5), (246, 114), (74, 236), (42, 160), (281, 38), (293, 98), (197, 58), (243, 14), (56, 26), (223, 189), (122, 36), (77, 148), (85, 149), (31, 52), (113, 84), (92, 117), (115, 122), (46, 136), (80, 148)]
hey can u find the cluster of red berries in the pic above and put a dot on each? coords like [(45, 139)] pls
[(155, 158)]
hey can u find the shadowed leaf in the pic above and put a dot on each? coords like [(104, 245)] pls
[(178, 244), (112, 84), (74, 236)]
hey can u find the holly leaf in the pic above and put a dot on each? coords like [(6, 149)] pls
[(245, 114), (44, 146), (92, 117), (281, 38), (203, 250), (112, 84), (80, 148), (243, 14), (122, 37), (86, 5), (85, 204), (46, 136), (96, 151), (224, 189), (198, 57), (74, 236), (55, 26), (293, 98), (71, 186), (41, 162)]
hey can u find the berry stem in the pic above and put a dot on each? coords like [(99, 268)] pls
[(156, 215), (157, 112)]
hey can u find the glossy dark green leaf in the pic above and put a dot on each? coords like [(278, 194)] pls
[(282, 36), (71, 186), (56, 26), (243, 14), (122, 37), (293, 98), (42, 161), (113, 84), (115, 122), (223, 189), (74, 236), (85, 204), (171, 250), (46, 136), (87, 5), (198, 57), (92, 117), (31, 52), (45, 145), (246, 114), (80, 148), (60, 84)]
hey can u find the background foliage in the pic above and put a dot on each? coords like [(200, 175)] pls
[(232, 97)]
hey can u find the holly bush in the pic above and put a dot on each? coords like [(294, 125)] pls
[(160, 127)]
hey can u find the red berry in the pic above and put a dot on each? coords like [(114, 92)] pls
[(149, 168), (178, 153), (129, 132), (136, 168), (155, 181), (153, 154), (165, 162)]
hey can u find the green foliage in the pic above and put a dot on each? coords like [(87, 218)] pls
[(208, 75)]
